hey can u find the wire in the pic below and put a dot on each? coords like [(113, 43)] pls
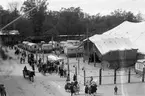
[(139, 36), (19, 17)]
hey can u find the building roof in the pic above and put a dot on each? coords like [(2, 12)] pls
[(31, 44), (106, 45), (10, 32), (134, 31), (52, 57), (118, 38)]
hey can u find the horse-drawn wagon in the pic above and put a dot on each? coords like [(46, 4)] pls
[(91, 87), (72, 87), (28, 74), (51, 65)]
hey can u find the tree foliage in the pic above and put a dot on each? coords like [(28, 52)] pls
[(7, 16), (37, 15), (67, 21)]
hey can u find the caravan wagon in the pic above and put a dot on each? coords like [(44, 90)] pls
[(33, 47), (47, 47), (71, 50), (139, 66), (25, 44)]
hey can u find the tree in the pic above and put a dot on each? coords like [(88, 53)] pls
[(50, 22), (139, 17), (12, 6), (24, 26), (1, 9), (4, 17), (37, 15), (7, 16), (69, 21)]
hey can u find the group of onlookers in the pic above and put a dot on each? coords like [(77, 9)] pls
[(62, 71)]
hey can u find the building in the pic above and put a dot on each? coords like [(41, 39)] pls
[(10, 38), (122, 45), (113, 50)]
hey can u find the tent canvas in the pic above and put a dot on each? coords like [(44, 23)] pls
[(111, 46), (134, 31), (107, 43), (52, 58)]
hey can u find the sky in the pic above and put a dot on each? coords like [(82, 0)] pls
[(91, 7)]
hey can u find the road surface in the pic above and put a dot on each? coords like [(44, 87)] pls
[(11, 76)]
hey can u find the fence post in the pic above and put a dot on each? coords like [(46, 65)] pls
[(94, 60), (78, 65), (143, 74), (84, 77), (76, 68), (100, 76), (36, 57), (129, 76), (43, 56), (68, 67), (114, 76)]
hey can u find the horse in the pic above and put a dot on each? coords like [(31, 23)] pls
[(69, 87), (92, 89), (29, 74)]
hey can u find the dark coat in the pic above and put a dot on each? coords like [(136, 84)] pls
[(86, 89), (72, 89)]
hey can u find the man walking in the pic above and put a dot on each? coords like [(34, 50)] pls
[(115, 90), (72, 89), (74, 77)]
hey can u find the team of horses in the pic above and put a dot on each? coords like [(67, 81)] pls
[(28, 74)]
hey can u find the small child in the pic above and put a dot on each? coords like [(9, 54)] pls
[(115, 90)]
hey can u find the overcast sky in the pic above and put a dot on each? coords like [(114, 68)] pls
[(92, 6)]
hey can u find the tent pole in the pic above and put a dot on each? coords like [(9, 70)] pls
[(68, 67), (88, 44), (94, 55), (78, 57)]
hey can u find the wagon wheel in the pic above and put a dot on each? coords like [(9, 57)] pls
[(76, 89), (39, 69), (30, 78), (65, 87)]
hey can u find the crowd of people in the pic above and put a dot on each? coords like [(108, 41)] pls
[(57, 67)]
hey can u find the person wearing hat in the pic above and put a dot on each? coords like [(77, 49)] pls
[(2, 90), (86, 90), (115, 90), (72, 89)]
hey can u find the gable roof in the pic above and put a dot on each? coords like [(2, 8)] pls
[(134, 31), (107, 43)]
